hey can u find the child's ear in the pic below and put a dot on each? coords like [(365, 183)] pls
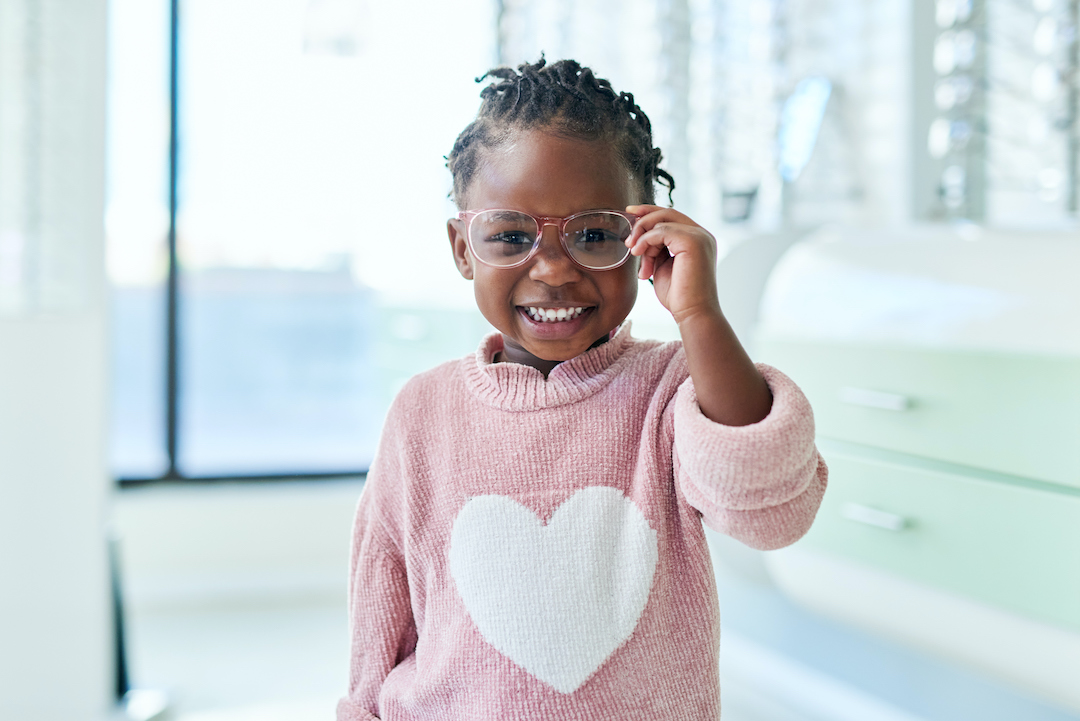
[(455, 228)]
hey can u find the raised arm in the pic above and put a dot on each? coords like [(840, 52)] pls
[(744, 434), (679, 256)]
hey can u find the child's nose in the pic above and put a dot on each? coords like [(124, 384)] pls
[(551, 265)]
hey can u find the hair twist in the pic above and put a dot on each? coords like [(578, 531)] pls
[(570, 100)]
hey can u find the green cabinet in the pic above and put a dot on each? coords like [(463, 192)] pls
[(1002, 541), (944, 373), (959, 470), (1013, 414)]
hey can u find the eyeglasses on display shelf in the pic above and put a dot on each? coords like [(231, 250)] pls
[(956, 137), (1001, 131)]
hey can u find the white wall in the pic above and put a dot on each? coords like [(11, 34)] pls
[(56, 655), (55, 643), (235, 543)]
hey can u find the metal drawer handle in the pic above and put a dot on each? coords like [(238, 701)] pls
[(875, 399), (873, 517)]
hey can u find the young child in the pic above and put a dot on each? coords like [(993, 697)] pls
[(529, 543)]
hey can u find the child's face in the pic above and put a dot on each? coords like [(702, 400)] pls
[(546, 175)]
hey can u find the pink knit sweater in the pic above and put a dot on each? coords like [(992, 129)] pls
[(533, 549)]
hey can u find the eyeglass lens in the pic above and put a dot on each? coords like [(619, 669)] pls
[(595, 240)]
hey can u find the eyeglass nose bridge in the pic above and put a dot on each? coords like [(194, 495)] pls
[(555, 250), (543, 221), (559, 226)]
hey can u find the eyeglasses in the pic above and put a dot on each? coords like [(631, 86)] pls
[(595, 239)]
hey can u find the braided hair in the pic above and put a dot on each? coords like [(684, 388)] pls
[(567, 99)]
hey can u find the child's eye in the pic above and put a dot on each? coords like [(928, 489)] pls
[(596, 235), (511, 237), (507, 244), (594, 240)]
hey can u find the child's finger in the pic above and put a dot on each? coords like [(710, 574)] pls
[(662, 228), (646, 210), (669, 239), (651, 215), (645, 271), (648, 245)]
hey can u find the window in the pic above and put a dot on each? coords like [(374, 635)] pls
[(312, 270)]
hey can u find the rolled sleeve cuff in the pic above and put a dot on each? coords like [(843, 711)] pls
[(744, 468)]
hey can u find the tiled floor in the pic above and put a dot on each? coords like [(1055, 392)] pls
[(271, 663)]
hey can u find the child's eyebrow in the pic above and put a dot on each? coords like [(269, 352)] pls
[(506, 214)]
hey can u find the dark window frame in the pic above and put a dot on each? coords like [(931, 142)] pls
[(172, 474)]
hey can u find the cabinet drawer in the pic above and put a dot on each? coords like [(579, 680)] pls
[(1005, 544), (1011, 414)]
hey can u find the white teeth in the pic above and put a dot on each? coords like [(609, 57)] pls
[(553, 315)]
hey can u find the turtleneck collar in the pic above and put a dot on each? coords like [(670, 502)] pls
[(517, 387)]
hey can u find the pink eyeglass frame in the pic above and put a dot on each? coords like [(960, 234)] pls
[(543, 221)]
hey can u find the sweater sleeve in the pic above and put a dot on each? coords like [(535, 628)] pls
[(381, 627), (762, 483)]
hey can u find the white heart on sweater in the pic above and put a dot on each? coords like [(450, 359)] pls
[(556, 599)]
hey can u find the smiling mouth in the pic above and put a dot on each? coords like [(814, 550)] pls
[(553, 315)]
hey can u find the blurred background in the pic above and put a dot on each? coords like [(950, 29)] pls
[(222, 251)]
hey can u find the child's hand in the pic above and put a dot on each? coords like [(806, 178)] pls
[(680, 257)]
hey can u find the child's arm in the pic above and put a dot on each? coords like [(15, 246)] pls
[(743, 434), (381, 626), (760, 483), (680, 258)]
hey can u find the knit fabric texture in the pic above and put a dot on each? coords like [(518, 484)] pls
[(531, 548)]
